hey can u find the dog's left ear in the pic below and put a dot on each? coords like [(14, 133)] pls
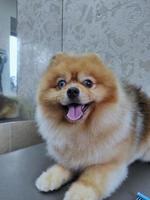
[(58, 58), (93, 57)]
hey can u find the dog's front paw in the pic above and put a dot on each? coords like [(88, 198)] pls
[(79, 191), (52, 179)]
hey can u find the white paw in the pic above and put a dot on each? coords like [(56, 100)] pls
[(52, 179), (78, 191)]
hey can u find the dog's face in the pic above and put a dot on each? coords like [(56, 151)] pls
[(73, 87)]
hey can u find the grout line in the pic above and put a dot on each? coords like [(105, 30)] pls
[(62, 26)]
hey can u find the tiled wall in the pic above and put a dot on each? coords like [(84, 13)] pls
[(119, 30), (39, 34)]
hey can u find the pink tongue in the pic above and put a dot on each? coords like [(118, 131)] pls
[(74, 112)]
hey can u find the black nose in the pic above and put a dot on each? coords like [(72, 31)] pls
[(73, 92)]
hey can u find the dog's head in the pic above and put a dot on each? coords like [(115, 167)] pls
[(75, 86)]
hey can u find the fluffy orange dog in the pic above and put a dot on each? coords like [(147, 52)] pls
[(92, 125)]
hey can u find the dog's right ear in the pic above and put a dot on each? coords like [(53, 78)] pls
[(58, 58)]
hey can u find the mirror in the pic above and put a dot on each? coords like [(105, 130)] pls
[(8, 58)]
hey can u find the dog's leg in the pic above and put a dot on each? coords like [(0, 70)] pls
[(145, 146), (97, 182), (146, 156), (53, 178)]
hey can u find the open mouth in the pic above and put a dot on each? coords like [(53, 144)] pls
[(75, 112)]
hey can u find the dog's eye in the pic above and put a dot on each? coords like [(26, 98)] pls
[(88, 83), (61, 84)]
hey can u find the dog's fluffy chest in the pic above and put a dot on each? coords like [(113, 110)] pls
[(78, 151)]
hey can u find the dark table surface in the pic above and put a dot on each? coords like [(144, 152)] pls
[(19, 170)]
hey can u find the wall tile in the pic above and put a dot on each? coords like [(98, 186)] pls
[(40, 21), (39, 34), (117, 30), (26, 83)]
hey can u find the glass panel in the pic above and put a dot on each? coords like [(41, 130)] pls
[(9, 106), (8, 47)]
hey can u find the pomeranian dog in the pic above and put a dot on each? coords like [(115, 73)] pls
[(94, 126)]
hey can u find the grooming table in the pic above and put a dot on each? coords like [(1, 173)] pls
[(19, 170)]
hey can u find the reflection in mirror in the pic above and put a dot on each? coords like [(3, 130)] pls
[(9, 107)]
